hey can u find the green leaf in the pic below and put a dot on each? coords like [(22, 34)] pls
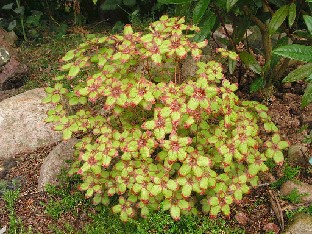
[(185, 169), (257, 85), (299, 74), (55, 98), (308, 22), (12, 25), (199, 10), (8, 6), (175, 212), (277, 19), (214, 201), (110, 5), (307, 96), (291, 14), (238, 195), (117, 209), (172, 185), (226, 209), (184, 205), (232, 65), (129, 2), (69, 55), (250, 61), (73, 71), (186, 190), (215, 210), (230, 4), (174, 1), (297, 52), (278, 157), (67, 134), (253, 169), (206, 26), (276, 138), (19, 10)]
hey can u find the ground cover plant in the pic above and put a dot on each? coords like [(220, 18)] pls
[(155, 138)]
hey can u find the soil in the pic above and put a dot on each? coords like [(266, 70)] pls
[(261, 209)]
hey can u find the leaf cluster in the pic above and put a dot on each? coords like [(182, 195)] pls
[(152, 136)]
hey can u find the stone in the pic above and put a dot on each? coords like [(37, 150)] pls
[(54, 162), (298, 155), (303, 188), (4, 56), (271, 227), (12, 73), (302, 224), (22, 124)]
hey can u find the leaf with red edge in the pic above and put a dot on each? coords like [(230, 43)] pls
[(175, 212)]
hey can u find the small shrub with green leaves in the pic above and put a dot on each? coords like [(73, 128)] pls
[(153, 136)]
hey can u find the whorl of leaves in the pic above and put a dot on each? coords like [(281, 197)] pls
[(153, 136)]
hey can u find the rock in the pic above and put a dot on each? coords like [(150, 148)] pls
[(302, 224), (4, 56), (303, 188), (54, 162), (22, 124), (12, 73), (271, 227), (298, 155), (5, 166)]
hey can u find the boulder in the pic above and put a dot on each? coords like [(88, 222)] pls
[(303, 188), (12, 72), (298, 155), (4, 56), (22, 124), (54, 162), (302, 224)]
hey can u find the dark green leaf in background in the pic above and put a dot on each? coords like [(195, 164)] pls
[(230, 4), (174, 1), (308, 22), (297, 52), (110, 5), (129, 2), (12, 25), (200, 10), (307, 96), (291, 14), (277, 19), (299, 74), (250, 61), (232, 65), (206, 26), (7, 7), (19, 10), (257, 84)]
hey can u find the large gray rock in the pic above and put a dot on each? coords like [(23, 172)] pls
[(22, 124), (298, 155), (302, 224), (12, 72), (303, 188), (54, 162)]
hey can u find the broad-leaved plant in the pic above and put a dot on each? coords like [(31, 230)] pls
[(153, 136)]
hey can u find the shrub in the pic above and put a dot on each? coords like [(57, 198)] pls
[(153, 136)]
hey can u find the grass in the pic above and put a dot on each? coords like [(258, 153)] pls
[(289, 173), (42, 59), (10, 193), (65, 198), (294, 196), (291, 213)]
